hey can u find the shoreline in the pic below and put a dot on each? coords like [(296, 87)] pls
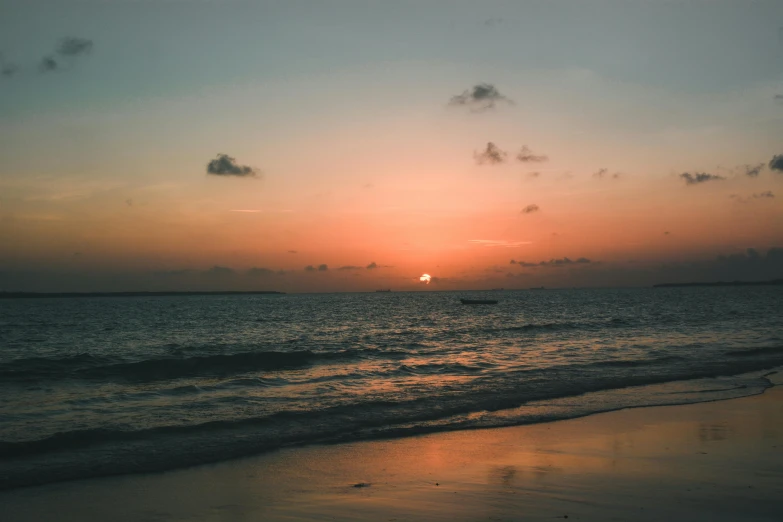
[(64, 467), (725, 449)]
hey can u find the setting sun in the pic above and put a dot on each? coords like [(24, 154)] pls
[(425, 278)]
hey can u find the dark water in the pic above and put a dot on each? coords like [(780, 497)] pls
[(99, 386)]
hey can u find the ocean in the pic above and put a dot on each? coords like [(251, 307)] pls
[(107, 385)]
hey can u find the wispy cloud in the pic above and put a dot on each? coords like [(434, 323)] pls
[(491, 155), (525, 155), (349, 267), (699, 177), (73, 46), (530, 208), (767, 194), (225, 165), (220, 271), (7, 69), (503, 243), (479, 98), (68, 49), (554, 262), (48, 63), (753, 170), (604, 172)]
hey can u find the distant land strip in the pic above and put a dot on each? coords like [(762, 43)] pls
[(23, 295), (723, 283)]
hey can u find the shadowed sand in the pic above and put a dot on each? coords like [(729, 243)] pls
[(713, 461)]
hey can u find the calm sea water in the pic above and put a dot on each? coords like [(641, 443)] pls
[(96, 386)]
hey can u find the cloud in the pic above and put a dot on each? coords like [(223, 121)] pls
[(751, 257), (225, 165), (374, 265), (293, 252), (349, 267), (779, 97), (68, 49), (525, 155), (491, 155), (499, 243), (753, 170), (48, 64), (7, 69), (601, 173), (530, 208), (533, 174), (699, 177), (666, 233), (73, 46), (776, 163), (480, 97), (522, 263), (320, 268), (767, 194), (555, 262), (220, 271)]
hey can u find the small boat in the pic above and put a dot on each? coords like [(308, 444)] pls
[(479, 301)]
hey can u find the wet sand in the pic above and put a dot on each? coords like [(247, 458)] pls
[(712, 461)]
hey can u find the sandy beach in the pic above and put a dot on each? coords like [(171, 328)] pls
[(710, 461)]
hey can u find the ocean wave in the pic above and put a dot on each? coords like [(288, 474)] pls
[(94, 452), (632, 363), (91, 367), (616, 322), (769, 350)]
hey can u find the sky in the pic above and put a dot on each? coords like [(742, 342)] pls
[(308, 146)]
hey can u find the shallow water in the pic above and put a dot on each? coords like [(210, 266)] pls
[(94, 386)]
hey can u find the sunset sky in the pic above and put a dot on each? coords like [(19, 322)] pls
[(632, 142)]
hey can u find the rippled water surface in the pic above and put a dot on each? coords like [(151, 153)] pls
[(94, 386)]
